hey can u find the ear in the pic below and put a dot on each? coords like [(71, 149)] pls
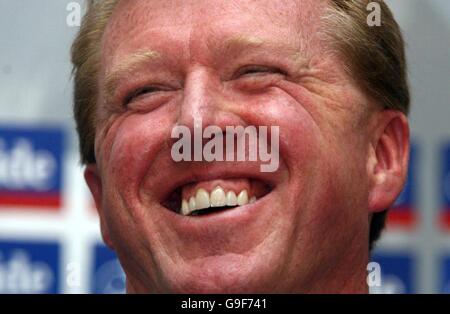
[(388, 159), (94, 182)]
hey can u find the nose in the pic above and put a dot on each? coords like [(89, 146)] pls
[(205, 101)]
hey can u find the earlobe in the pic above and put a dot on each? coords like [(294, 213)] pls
[(94, 183), (388, 159)]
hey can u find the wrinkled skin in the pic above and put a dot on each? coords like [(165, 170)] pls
[(342, 157)]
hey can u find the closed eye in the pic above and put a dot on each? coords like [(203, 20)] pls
[(258, 70), (141, 92)]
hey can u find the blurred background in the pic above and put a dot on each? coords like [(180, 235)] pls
[(49, 232)]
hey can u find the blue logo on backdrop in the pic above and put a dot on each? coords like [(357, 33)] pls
[(446, 184), (27, 267), (403, 211), (396, 273), (108, 276), (445, 283), (30, 166)]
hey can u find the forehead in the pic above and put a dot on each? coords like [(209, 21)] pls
[(188, 24)]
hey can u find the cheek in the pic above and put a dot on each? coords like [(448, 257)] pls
[(327, 191), (130, 146), (326, 164), (300, 137)]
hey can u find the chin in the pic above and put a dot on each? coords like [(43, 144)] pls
[(224, 274)]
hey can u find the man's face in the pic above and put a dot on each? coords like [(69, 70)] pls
[(231, 63)]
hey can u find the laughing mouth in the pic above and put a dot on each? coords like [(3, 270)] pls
[(209, 197)]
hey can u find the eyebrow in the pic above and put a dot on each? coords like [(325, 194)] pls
[(242, 43), (233, 46), (140, 58), (131, 63)]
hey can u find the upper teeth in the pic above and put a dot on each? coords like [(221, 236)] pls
[(217, 198)]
